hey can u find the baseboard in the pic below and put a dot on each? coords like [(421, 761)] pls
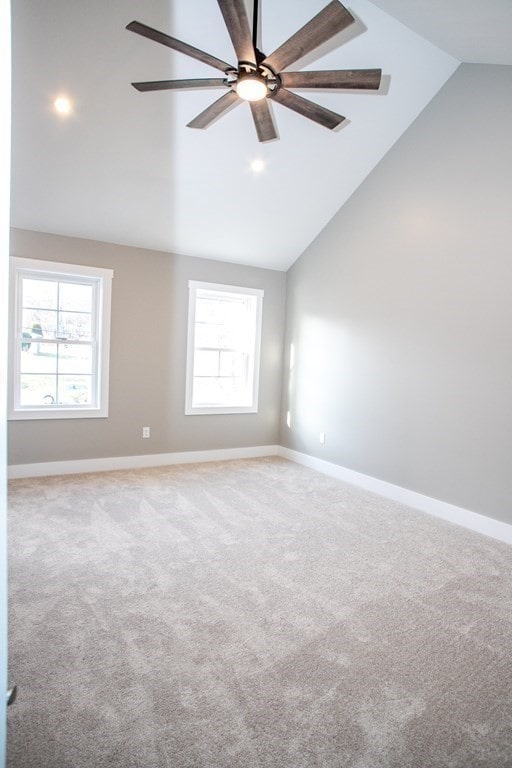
[(472, 520), (78, 466)]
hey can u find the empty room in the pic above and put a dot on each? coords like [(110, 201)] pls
[(256, 471)]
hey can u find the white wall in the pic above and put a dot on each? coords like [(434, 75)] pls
[(400, 311)]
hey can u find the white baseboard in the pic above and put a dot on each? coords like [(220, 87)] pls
[(472, 520), (16, 471)]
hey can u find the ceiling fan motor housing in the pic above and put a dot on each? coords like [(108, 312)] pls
[(254, 82)]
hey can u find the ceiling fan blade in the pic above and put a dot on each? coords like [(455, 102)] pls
[(237, 23), (345, 78), (173, 85), (331, 20), (308, 108), (263, 121), (215, 110), (178, 45)]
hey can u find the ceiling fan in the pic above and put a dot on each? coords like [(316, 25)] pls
[(259, 78)]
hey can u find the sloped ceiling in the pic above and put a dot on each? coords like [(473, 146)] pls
[(124, 167), (473, 31)]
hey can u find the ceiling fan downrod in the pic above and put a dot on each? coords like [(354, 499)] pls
[(255, 25), (260, 56)]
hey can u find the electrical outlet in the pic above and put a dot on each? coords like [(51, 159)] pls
[(322, 438), (146, 432)]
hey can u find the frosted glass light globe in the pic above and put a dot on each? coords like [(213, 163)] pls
[(251, 88)]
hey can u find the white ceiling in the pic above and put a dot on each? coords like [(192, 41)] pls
[(124, 168), (478, 32)]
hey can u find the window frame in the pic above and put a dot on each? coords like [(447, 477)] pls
[(190, 409), (101, 279)]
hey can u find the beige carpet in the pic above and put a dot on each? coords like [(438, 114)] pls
[(251, 614)]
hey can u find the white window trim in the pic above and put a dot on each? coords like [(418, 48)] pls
[(193, 286), (23, 267)]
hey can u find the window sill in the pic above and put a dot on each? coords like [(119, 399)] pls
[(61, 413), (220, 411)]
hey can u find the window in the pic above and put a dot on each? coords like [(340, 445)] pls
[(60, 333), (224, 334)]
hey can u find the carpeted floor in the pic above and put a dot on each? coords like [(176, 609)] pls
[(251, 614)]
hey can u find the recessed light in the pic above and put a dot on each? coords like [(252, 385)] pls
[(62, 105), (257, 166)]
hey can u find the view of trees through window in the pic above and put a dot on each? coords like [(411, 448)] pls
[(57, 339)]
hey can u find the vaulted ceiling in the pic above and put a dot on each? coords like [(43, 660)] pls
[(124, 168)]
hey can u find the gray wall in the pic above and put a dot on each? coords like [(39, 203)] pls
[(148, 354), (401, 310)]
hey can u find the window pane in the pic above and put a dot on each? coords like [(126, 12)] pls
[(74, 325), (38, 358), (225, 322), (39, 323), (208, 335), (232, 364), (208, 391), (234, 312), (75, 390), (76, 297), (206, 363), (228, 337), (215, 391), (38, 389), (207, 310), (75, 358), (40, 294)]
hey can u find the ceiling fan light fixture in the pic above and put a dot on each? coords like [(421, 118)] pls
[(251, 87)]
